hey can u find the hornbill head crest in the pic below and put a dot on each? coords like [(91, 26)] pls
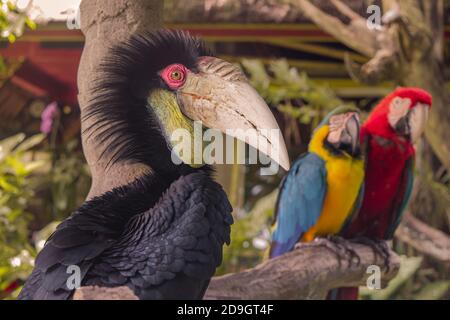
[(157, 83)]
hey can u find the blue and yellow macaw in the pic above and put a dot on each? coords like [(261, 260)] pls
[(324, 188)]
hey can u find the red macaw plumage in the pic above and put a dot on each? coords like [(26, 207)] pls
[(388, 136)]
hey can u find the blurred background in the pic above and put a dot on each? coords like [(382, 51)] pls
[(299, 68)]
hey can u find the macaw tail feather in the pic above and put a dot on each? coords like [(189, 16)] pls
[(343, 294)]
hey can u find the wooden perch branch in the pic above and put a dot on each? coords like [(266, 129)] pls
[(425, 239), (306, 273), (346, 10), (356, 35)]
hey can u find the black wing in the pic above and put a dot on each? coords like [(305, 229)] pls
[(80, 240), (70, 245), (172, 250)]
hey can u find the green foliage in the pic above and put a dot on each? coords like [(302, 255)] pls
[(291, 91), (433, 196), (16, 167), (412, 282), (53, 187), (408, 267), (13, 21), (68, 178), (250, 237)]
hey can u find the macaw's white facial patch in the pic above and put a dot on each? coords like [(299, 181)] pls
[(337, 125), (398, 109)]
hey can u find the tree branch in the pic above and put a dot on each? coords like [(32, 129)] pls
[(102, 293), (106, 23), (356, 35), (346, 10), (308, 272), (425, 239), (410, 54)]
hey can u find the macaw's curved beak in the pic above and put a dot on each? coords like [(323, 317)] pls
[(417, 121), (220, 96), (350, 135), (413, 124)]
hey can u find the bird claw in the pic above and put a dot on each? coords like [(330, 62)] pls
[(340, 247), (350, 252), (379, 247)]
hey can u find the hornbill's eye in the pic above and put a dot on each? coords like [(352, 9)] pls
[(174, 75)]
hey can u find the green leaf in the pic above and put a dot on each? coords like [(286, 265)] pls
[(32, 166), (30, 143), (7, 187), (8, 144), (408, 267), (433, 291), (12, 38), (258, 75), (31, 24)]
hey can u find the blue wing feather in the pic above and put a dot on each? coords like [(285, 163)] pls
[(300, 202)]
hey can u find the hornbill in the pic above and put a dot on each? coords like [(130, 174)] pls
[(161, 235)]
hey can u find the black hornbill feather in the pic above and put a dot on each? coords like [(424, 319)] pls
[(176, 243)]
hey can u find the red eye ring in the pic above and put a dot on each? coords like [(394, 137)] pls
[(174, 75)]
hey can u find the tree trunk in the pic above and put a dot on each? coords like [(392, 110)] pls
[(104, 24), (428, 74), (425, 69)]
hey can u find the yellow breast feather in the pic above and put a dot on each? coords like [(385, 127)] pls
[(344, 180)]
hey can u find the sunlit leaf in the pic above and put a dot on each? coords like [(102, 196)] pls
[(8, 144), (32, 166), (408, 267), (31, 24), (31, 143), (7, 187), (433, 291)]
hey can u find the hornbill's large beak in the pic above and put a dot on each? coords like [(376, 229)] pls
[(220, 96)]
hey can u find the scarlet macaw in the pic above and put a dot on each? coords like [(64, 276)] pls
[(388, 136), (324, 188)]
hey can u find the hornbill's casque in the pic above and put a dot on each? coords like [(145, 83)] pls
[(161, 235)]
